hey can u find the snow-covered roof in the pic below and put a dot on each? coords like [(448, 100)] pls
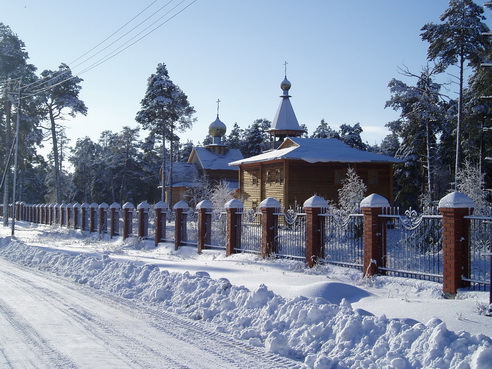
[(318, 150), (183, 172), (213, 161)]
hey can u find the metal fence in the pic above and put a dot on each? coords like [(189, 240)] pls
[(291, 234), (414, 244), (219, 230), (190, 227), (343, 237), (480, 245), (250, 231)]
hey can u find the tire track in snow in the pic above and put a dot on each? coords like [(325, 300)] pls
[(115, 341), (40, 350), (211, 348)]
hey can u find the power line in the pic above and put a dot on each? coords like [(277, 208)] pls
[(127, 44), (114, 33)]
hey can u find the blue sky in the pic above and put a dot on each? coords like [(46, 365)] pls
[(341, 56)]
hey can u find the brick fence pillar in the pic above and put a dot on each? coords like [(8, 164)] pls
[(204, 209), (180, 208), (313, 207), (69, 212), (85, 216), (44, 214), (374, 244), (52, 214), (143, 219), (114, 219), (269, 224), (103, 218), (18, 209), (160, 210), (455, 242), (76, 215), (234, 210), (128, 209), (93, 217), (63, 214), (56, 217)]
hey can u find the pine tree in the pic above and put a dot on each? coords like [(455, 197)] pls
[(13, 65), (458, 39), (351, 136), (422, 114), (253, 140), (60, 94), (234, 139), (324, 131), (165, 110)]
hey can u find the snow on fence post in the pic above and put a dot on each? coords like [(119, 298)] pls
[(127, 219), (455, 241), (76, 215), (114, 222), (85, 213), (103, 218), (269, 223), (314, 229), (374, 244), (181, 208), (234, 210), (204, 209), (160, 222), (92, 217), (143, 219)]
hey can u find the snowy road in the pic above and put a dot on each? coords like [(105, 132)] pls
[(53, 323)]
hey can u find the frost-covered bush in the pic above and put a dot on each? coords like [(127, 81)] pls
[(352, 192), (470, 181)]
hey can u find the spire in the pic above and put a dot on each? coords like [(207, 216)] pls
[(285, 123)]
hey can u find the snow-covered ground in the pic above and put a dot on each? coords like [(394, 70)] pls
[(326, 317)]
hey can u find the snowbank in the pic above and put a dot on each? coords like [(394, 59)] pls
[(312, 330)]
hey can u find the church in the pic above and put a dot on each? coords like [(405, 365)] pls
[(298, 168), (209, 163)]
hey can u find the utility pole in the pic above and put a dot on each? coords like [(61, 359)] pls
[(16, 154), (8, 107)]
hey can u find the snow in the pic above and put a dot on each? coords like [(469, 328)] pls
[(374, 201), (325, 317), (318, 150), (455, 200), (213, 161)]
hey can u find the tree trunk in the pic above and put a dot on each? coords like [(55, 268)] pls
[(458, 123), (56, 158), (163, 168), (171, 150), (430, 182)]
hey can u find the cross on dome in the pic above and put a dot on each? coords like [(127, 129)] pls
[(218, 107)]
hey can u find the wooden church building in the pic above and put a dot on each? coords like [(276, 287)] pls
[(207, 164), (298, 168)]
